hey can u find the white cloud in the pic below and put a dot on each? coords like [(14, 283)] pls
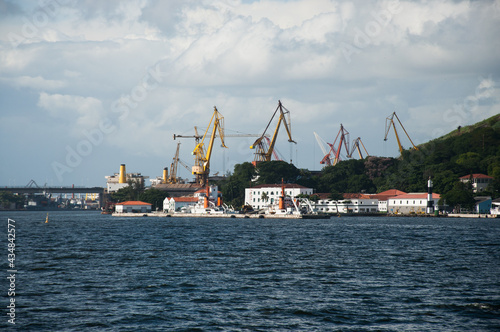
[(37, 83), (242, 56), (82, 112)]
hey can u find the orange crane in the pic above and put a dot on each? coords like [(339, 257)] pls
[(334, 153), (264, 151), (201, 166), (389, 121)]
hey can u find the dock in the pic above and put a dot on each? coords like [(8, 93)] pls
[(226, 215)]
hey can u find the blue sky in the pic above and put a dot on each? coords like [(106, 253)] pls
[(88, 85)]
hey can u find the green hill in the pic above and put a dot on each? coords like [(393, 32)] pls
[(472, 149)]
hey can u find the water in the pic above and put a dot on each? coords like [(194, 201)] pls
[(86, 271)]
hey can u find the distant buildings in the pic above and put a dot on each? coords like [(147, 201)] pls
[(479, 181), (120, 180)]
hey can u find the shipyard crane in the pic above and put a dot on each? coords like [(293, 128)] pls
[(326, 159), (389, 121), (334, 153), (265, 151), (172, 178), (201, 166), (355, 146)]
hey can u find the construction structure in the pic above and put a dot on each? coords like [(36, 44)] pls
[(389, 122), (356, 147), (201, 167), (265, 147)]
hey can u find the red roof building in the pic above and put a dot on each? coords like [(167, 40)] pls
[(133, 206), (479, 181)]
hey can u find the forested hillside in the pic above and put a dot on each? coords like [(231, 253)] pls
[(467, 150)]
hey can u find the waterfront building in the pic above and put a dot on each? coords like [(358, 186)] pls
[(264, 195), (173, 204), (383, 198), (411, 203), (133, 206), (483, 204), (479, 181)]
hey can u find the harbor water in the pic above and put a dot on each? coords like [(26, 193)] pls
[(86, 271)]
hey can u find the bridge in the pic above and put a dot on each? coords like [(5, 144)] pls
[(54, 190)]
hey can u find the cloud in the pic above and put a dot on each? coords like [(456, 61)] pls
[(36, 83), (419, 58), (81, 112)]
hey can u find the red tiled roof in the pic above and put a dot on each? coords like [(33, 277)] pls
[(133, 203), (393, 192), (476, 176), (356, 195), (416, 196), (185, 199), (287, 186)]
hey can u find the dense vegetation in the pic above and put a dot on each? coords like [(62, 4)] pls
[(468, 150)]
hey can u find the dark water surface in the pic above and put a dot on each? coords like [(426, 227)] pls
[(86, 271)]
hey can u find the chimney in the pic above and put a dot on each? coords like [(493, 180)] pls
[(123, 174)]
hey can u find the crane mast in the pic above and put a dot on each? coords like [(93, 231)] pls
[(355, 146), (201, 166), (389, 121), (264, 153)]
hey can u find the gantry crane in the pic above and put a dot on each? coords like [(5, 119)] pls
[(326, 159), (201, 166), (390, 121), (265, 151), (355, 146)]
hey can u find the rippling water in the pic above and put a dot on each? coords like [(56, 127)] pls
[(86, 271)]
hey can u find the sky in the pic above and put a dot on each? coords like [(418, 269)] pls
[(88, 85)]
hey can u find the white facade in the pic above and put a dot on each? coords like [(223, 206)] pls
[(495, 207), (479, 181), (352, 205), (179, 203), (256, 196), (410, 203), (133, 206)]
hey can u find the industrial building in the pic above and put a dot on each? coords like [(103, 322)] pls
[(120, 180)]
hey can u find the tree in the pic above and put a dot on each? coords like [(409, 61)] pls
[(460, 197), (233, 187), (128, 193), (270, 172), (154, 196)]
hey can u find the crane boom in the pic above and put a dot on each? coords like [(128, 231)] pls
[(355, 146), (173, 166), (263, 153), (389, 121), (201, 166)]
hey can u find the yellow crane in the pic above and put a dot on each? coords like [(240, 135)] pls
[(389, 121), (201, 166), (264, 152), (355, 146)]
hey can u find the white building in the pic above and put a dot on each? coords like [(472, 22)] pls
[(495, 206), (479, 181), (173, 204), (410, 203), (133, 206), (264, 195), (191, 203), (352, 203)]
